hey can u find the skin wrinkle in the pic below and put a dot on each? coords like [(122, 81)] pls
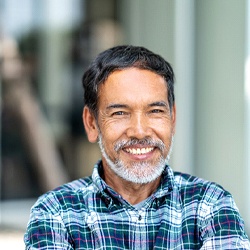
[(121, 170), (125, 172)]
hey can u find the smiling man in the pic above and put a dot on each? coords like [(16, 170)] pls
[(135, 131), (134, 200)]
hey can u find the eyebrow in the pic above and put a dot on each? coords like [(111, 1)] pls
[(153, 104), (116, 105), (159, 104)]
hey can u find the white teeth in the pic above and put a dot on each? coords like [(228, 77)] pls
[(138, 151)]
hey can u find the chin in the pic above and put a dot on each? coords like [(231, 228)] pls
[(141, 172)]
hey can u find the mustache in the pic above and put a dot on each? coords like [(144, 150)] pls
[(147, 141)]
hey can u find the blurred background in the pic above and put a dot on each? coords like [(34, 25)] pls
[(45, 46)]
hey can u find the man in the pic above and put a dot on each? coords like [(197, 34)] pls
[(134, 200)]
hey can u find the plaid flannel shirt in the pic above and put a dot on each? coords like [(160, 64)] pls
[(185, 212)]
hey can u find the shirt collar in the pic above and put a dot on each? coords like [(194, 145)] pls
[(96, 177), (167, 182)]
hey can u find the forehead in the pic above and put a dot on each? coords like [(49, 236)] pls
[(133, 83)]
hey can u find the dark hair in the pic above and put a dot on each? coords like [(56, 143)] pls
[(121, 57)]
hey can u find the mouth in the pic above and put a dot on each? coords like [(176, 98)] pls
[(138, 151), (144, 149)]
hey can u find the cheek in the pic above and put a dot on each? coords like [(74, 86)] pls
[(111, 133), (163, 129), (113, 129)]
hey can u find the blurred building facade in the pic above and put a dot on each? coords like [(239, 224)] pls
[(45, 47)]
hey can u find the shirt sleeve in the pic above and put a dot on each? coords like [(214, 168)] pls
[(223, 227), (46, 230)]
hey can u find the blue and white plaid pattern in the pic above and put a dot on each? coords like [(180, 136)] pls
[(184, 213)]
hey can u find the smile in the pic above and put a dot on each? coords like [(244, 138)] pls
[(138, 151)]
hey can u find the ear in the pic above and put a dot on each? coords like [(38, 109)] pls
[(174, 118), (90, 125)]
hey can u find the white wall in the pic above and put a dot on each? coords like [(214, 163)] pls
[(219, 103), (205, 41)]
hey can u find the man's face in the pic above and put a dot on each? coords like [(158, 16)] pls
[(135, 124)]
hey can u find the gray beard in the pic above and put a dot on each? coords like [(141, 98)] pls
[(139, 172)]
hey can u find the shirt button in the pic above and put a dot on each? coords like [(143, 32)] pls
[(139, 218)]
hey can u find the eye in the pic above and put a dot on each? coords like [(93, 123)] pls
[(118, 113), (156, 111)]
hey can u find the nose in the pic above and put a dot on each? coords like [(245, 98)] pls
[(139, 126)]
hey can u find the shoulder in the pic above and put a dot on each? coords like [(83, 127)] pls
[(213, 210), (74, 193), (192, 188), (209, 201)]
